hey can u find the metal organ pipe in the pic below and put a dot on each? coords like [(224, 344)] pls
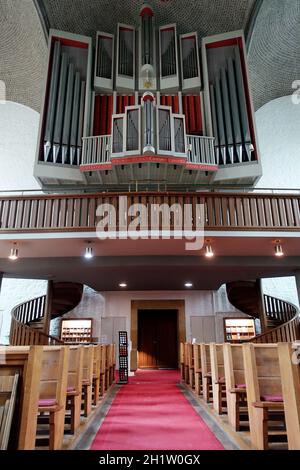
[(49, 129), (227, 117), (235, 110), (242, 104), (80, 122), (60, 107), (74, 124), (68, 114), (214, 120), (148, 105), (222, 138)]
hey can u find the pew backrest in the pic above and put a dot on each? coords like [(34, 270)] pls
[(54, 373), (75, 368), (205, 359), (234, 365)]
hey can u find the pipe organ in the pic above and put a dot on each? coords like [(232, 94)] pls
[(153, 111)]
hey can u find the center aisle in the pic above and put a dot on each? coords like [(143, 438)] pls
[(151, 413)]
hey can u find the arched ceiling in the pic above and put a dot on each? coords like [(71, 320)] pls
[(272, 27)]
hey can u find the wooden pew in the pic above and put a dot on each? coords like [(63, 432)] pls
[(102, 369), (217, 376), (264, 390), (186, 363), (113, 369), (290, 379), (181, 360), (87, 379), (96, 373), (235, 383), (74, 387), (53, 391), (26, 362), (8, 392), (206, 372), (190, 351), (110, 366), (197, 368)]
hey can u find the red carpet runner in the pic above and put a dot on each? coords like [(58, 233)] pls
[(151, 413)]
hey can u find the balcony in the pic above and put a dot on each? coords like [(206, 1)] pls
[(223, 211)]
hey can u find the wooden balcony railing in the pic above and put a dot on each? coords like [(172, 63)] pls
[(287, 333), (278, 310), (223, 211)]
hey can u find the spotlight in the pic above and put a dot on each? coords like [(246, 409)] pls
[(188, 284), (14, 253), (278, 250), (209, 253), (123, 285), (88, 252)]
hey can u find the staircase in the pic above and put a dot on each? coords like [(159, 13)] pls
[(280, 320), (31, 320)]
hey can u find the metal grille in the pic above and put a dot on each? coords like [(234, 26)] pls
[(164, 120), (104, 57), (132, 136), (126, 46), (168, 52), (117, 146), (189, 58)]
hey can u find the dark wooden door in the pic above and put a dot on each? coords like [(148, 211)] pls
[(157, 339)]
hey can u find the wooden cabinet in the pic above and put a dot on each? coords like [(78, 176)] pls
[(76, 330)]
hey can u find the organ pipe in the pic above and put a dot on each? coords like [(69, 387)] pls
[(68, 114), (148, 104), (49, 129), (227, 117), (60, 107), (235, 111), (74, 123), (242, 105)]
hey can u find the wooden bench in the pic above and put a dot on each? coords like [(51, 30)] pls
[(235, 384), (74, 386), (190, 352), (53, 391), (8, 393), (181, 360), (102, 369), (197, 368), (87, 379), (290, 380), (206, 372), (113, 368), (186, 364), (217, 376), (264, 390), (96, 373)]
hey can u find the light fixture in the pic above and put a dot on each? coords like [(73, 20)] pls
[(209, 252), (123, 285), (188, 284), (88, 251), (278, 250), (14, 253)]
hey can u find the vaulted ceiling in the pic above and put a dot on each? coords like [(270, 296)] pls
[(272, 30)]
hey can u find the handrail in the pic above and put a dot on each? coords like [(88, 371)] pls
[(279, 310), (223, 211), (288, 332), (21, 334)]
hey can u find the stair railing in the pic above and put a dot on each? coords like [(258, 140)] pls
[(21, 333)]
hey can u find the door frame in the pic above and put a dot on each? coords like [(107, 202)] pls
[(136, 305)]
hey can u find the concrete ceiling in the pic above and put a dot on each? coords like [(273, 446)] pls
[(272, 28), (149, 264)]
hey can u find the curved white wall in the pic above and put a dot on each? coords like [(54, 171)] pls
[(278, 125), (18, 138)]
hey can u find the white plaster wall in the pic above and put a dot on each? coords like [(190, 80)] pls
[(18, 138), (14, 292), (278, 124)]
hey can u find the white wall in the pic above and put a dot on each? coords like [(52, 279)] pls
[(13, 293), (278, 124), (18, 138)]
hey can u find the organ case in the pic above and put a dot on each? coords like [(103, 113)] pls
[(125, 61), (104, 62), (65, 114)]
